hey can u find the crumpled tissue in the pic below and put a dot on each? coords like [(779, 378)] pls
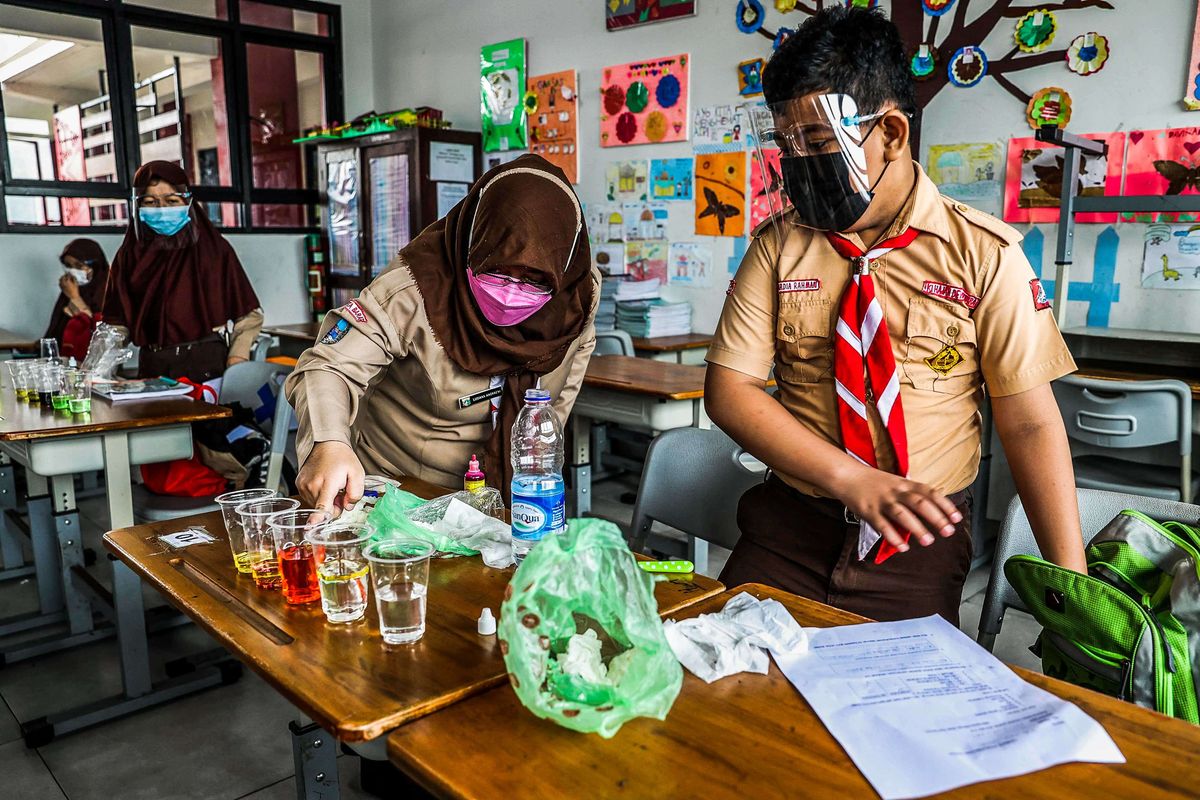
[(736, 638)]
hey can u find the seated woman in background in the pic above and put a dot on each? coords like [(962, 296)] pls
[(177, 286), (77, 309), (482, 304)]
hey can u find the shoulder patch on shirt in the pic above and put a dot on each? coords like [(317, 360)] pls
[(803, 285), (1007, 233), (355, 311), (336, 333), (955, 294), (1040, 300)]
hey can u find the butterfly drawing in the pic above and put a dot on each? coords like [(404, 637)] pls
[(1050, 178), (1179, 176), (714, 207), (773, 184)]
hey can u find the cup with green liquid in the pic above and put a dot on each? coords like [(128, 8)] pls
[(79, 399)]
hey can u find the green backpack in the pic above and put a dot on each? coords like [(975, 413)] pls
[(1130, 628)]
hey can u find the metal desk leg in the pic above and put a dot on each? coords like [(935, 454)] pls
[(699, 415), (43, 541), (314, 753), (11, 550), (580, 501), (70, 550)]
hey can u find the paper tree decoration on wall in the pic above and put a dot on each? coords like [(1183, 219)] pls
[(967, 67), (1088, 53), (1035, 31), (645, 102), (1049, 106)]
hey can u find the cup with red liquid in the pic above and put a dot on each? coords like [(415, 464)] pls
[(297, 567)]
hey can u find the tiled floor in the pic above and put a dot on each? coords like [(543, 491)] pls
[(228, 743)]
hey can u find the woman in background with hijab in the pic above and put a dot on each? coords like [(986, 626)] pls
[(177, 285), (77, 309), (431, 362)]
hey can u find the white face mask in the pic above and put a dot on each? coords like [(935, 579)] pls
[(81, 276)]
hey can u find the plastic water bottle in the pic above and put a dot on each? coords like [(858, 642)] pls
[(538, 496)]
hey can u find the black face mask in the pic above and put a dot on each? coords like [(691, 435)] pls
[(821, 191)]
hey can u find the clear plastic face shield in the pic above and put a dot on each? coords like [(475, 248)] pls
[(164, 213), (815, 145)]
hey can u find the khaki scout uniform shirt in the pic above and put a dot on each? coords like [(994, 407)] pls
[(388, 390), (962, 308)]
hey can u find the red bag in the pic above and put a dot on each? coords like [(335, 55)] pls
[(183, 478)]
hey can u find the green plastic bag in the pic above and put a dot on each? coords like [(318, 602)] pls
[(390, 520), (586, 581)]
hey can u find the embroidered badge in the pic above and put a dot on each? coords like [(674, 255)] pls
[(336, 333), (355, 310), (944, 360), (955, 294), (732, 286), (1040, 300), (805, 285)]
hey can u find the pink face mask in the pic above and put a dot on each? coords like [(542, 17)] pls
[(505, 301)]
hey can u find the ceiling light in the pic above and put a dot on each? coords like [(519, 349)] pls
[(28, 61)]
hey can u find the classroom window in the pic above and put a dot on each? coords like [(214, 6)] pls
[(58, 212), (289, 19), (287, 97), (211, 9)]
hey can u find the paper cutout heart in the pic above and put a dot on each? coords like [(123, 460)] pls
[(1136, 136), (1191, 147)]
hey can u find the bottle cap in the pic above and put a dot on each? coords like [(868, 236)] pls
[(537, 396), (486, 624)]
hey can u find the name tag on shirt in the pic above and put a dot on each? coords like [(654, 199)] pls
[(805, 285), (479, 397), (955, 294)]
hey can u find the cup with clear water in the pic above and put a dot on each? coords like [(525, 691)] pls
[(342, 569), (400, 583)]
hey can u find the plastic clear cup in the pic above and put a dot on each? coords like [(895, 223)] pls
[(233, 522), (61, 397), (49, 349), (375, 486), (80, 401), (400, 583), (342, 570), (18, 373), (297, 569), (260, 544)]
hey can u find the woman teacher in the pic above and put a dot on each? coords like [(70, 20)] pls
[(431, 362)]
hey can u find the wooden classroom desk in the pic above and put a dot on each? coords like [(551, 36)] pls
[(673, 348), (1106, 371), (296, 338), (750, 736), (343, 676), (10, 341)]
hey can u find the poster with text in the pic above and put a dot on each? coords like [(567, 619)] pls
[(627, 181), (766, 190), (1033, 178), (690, 264), (671, 179), (968, 171), (719, 129), (1172, 257), (1163, 162), (502, 87), (644, 102), (645, 220), (553, 121), (645, 260), (721, 194)]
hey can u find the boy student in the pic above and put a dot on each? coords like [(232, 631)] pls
[(884, 308)]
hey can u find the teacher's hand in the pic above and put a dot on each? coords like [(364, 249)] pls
[(331, 478)]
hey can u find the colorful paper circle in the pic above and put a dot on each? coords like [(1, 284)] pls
[(1087, 59), (637, 97), (626, 127), (656, 126), (667, 92), (963, 73), (922, 67), (935, 8), (1032, 37), (749, 15), (614, 100), (861, 3), (1049, 106), (781, 36), (531, 102)]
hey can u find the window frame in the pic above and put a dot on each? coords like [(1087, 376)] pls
[(118, 18)]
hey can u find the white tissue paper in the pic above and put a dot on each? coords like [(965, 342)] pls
[(583, 658), (736, 638), (472, 528)]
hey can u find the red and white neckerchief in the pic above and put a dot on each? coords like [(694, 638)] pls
[(864, 370)]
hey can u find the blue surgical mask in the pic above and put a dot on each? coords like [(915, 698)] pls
[(167, 221)]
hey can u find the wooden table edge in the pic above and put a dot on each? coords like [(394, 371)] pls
[(99, 428)]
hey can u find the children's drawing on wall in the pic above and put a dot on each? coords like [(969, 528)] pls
[(502, 87), (627, 181), (645, 220), (721, 194), (646, 260), (766, 187), (553, 129), (671, 179), (690, 264), (605, 221), (644, 102), (1163, 162), (1034, 175), (750, 78), (719, 129), (622, 14), (1172, 257), (969, 171), (609, 258)]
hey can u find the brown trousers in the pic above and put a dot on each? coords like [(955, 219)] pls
[(804, 545)]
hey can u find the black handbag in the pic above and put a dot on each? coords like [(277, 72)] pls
[(201, 360)]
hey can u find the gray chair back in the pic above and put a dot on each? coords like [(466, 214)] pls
[(692, 482), (613, 343), (261, 347), (242, 383), (1096, 509)]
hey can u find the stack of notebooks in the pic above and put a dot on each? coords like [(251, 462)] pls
[(606, 312), (649, 319), (637, 290)]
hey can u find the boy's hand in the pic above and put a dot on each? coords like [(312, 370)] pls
[(331, 478), (893, 505)]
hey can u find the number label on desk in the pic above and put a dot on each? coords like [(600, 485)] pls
[(178, 541)]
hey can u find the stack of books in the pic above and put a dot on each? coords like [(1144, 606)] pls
[(606, 312), (638, 290), (649, 319)]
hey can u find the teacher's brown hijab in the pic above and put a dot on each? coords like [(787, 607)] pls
[(174, 289), (524, 217)]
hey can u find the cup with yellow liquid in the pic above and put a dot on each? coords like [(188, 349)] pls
[(342, 569), (233, 522)]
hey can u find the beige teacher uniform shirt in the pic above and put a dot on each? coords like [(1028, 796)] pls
[(963, 309), (387, 389)]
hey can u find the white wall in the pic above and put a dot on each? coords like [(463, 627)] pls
[(429, 53)]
